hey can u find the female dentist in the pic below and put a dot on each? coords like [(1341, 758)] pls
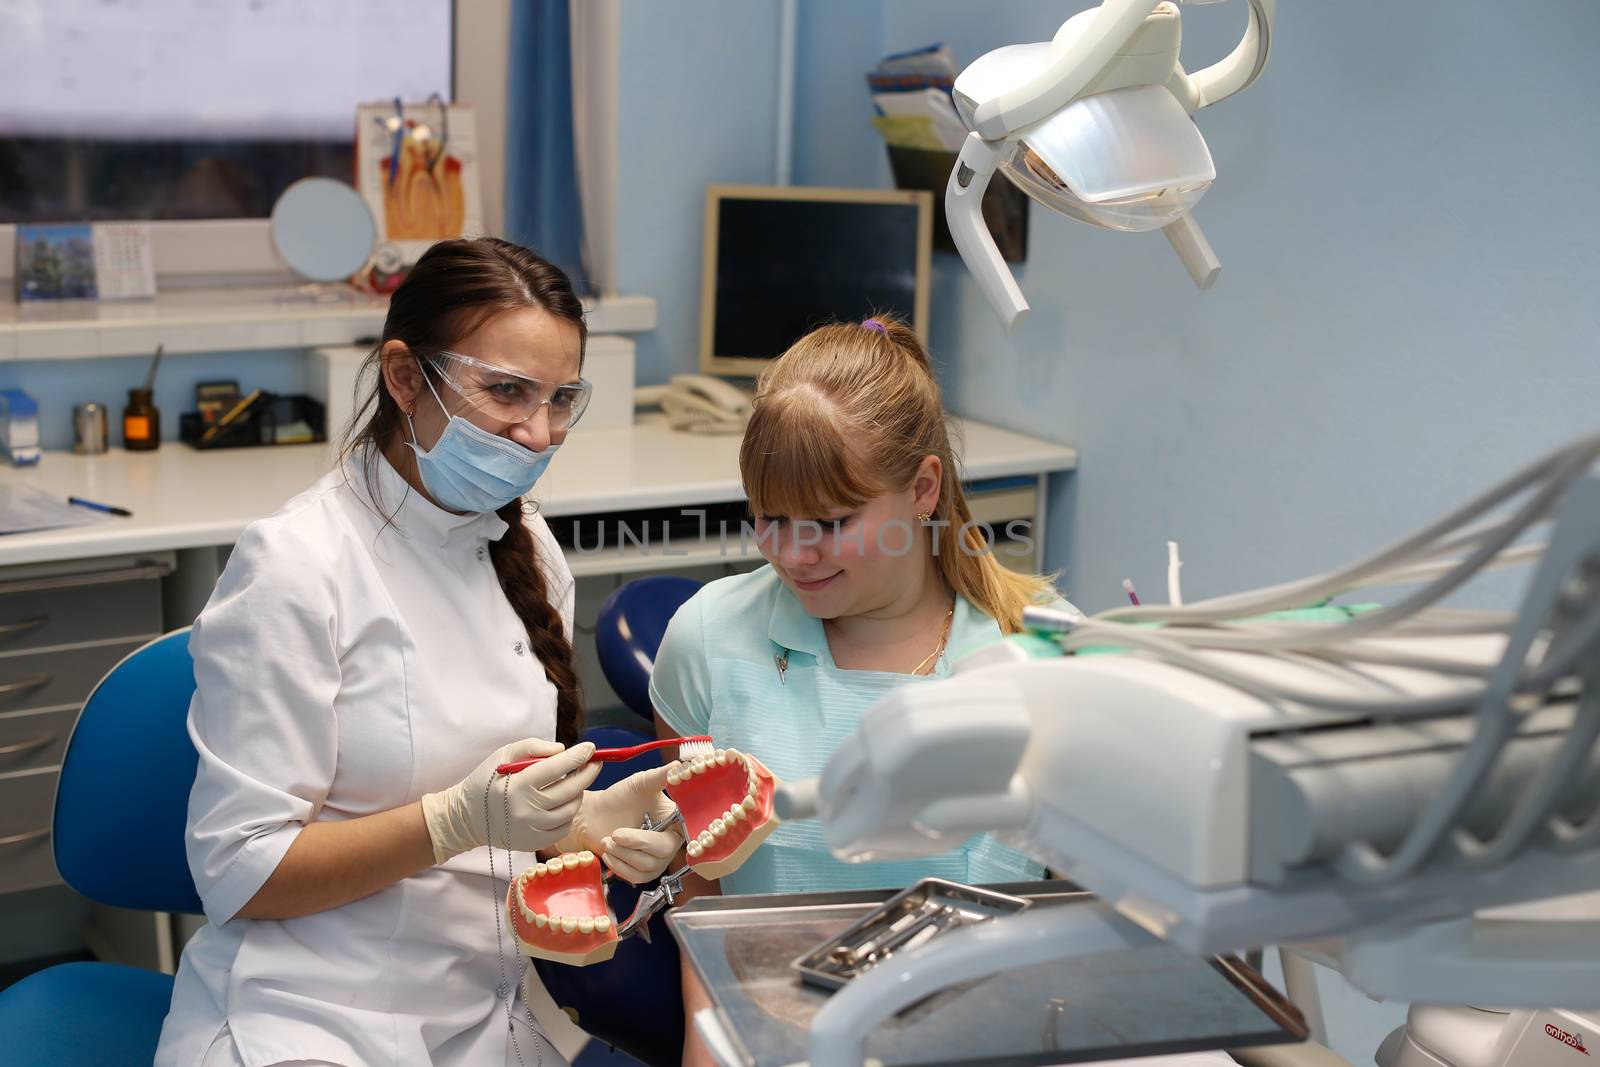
[(370, 654)]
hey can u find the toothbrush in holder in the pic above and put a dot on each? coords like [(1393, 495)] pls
[(688, 748)]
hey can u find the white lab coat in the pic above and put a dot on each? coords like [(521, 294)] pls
[(347, 665)]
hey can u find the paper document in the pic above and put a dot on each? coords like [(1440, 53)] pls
[(909, 131), (25, 507), (933, 106)]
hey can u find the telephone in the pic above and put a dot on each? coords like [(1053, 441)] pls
[(698, 403)]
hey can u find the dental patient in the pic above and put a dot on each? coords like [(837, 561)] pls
[(877, 577)]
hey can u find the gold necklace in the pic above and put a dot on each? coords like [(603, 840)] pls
[(944, 636)]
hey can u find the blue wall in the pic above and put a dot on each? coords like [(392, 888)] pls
[(1407, 308), (698, 96)]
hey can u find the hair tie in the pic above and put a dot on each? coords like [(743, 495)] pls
[(874, 324)]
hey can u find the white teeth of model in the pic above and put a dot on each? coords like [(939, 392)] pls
[(540, 920), (748, 804), (707, 839), (540, 870), (672, 777), (585, 925), (736, 813), (718, 827), (555, 866), (698, 767), (722, 758), (585, 858), (694, 848), (568, 924), (602, 923)]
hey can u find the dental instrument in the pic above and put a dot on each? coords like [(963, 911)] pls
[(1096, 124), (1363, 791), (910, 918)]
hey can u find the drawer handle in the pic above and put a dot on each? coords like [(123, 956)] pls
[(31, 835), (10, 628), (74, 581), (42, 741), (33, 681)]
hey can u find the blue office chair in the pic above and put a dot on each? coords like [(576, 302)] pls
[(634, 1001), (121, 807), (629, 630)]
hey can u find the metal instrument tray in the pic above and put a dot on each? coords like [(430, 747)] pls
[(827, 965), (1145, 1001)]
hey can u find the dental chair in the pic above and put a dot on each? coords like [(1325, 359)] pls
[(628, 631), (127, 853)]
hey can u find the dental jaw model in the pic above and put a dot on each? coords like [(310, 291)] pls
[(559, 912), (725, 808), (558, 908)]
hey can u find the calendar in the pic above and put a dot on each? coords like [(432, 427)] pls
[(124, 267)]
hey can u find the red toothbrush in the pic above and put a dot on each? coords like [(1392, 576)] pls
[(689, 748)]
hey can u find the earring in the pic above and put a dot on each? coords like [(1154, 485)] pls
[(923, 516)]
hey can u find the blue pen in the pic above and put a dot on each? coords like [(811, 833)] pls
[(107, 508)]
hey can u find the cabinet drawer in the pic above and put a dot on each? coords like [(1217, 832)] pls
[(33, 739), (64, 676), (41, 614), (27, 859)]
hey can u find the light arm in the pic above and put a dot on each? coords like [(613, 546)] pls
[(1241, 67), (963, 210), (1068, 73)]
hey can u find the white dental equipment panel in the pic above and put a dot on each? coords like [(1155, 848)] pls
[(1360, 785)]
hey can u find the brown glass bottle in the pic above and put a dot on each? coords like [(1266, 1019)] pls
[(141, 422)]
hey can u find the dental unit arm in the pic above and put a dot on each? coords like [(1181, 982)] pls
[(1365, 781), (1095, 124)]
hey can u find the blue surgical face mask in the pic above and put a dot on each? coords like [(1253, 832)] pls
[(471, 469)]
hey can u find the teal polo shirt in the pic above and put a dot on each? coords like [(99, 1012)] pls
[(717, 673)]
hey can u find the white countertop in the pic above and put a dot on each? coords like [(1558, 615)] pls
[(182, 498)]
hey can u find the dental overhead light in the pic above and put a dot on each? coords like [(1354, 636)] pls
[(1096, 125)]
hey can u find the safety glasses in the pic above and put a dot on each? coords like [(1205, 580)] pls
[(509, 397)]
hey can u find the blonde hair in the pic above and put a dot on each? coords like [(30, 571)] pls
[(847, 414)]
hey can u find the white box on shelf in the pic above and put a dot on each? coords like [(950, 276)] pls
[(608, 364), (331, 379)]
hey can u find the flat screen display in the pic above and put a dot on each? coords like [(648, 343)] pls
[(786, 266)]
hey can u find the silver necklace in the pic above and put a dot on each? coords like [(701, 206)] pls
[(503, 991)]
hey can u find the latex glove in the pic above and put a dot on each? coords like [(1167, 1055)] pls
[(542, 799), (608, 823)]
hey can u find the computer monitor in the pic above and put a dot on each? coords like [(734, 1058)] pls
[(783, 260)]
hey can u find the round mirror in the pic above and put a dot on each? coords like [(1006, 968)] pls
[(323, 229)]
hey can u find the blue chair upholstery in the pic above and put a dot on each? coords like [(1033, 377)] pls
[(633, 1001), (629, 630), (121, 806), (132, 743), (85, 1013)]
